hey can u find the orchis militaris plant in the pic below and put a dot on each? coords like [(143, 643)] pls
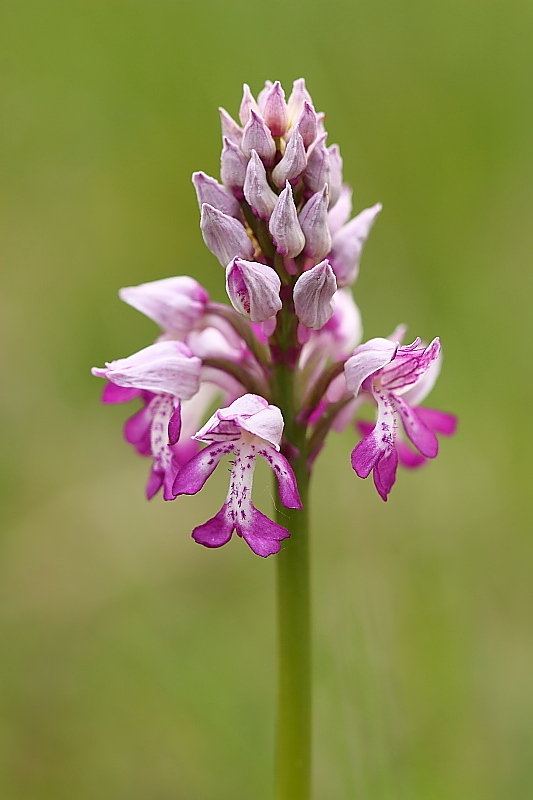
[(284, 364)]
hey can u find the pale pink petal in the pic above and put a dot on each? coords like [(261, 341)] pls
[(340, 213), (367, 359), (244, 406), (175, 304), (297, 98), (248, 104), (347, 245), (230, 129), (267, 424), (212, 342), (165, 367)]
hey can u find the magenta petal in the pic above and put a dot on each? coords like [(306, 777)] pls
[(118, 394), (137, 431), (184, 450), (169, 478), (195, 472), (365, 455), (417, 431), (261, 534), (365, 428), (408, 458), (438, 421), (155, 481), (174, 425), (385, 472), (216, 531), (288, 490)]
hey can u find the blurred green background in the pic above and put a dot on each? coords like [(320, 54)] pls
[(136, 665)]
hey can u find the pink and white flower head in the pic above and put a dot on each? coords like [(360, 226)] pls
[(279, 222), (248, 428), (162, 375), (398, 378)]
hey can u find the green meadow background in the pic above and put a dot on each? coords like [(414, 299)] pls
[(134, 664)]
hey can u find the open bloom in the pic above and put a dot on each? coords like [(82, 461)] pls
[(162, 375), (398, 378), (248, 428)]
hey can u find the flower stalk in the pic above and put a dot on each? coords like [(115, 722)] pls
[(283, 365), (293, 742)]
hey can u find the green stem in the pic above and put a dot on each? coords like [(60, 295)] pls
[(293, 747)]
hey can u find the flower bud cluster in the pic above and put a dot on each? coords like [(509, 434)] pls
[(281, 202), (279, 222)]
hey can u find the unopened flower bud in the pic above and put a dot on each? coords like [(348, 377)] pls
[(253, 289), (298, 97), (293, 162), (313, 295), (284, 226), (224, 235), (306, 124), (274, 109), (257, 192), (335, 174), (232, 167), (229, 127), (256, 136), (247, 104), (348, 243), (262, 95), (208, 190), (317, 172), (313, 220)]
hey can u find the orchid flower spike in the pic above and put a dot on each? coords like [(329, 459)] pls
[(280, 223), (248, 428)]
